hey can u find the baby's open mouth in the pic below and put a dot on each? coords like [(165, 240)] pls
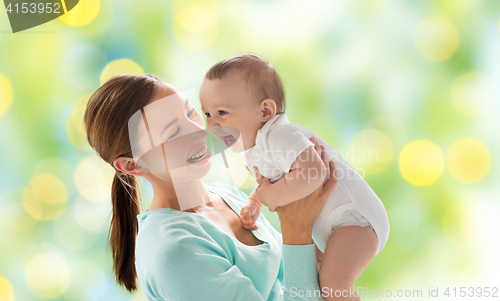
[(199, 156), (229, 140)]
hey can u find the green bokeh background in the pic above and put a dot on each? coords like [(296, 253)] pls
[(364, 75)]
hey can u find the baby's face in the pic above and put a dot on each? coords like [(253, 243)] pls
[(229, 102)]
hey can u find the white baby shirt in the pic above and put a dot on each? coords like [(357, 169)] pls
[(277, 145)]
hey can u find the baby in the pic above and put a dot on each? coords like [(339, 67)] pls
[(243, 99)]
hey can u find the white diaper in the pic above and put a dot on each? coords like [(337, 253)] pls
[(349, 218), (348, 214)]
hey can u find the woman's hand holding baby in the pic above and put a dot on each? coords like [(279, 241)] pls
[(263, 186)]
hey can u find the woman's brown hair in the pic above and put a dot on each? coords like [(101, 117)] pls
[(106, 124)]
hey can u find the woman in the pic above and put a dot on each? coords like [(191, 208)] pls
[(190, 243)]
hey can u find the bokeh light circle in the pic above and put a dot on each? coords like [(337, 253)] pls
[(473, 94), (69, 232), (469, 160), (436, 39), (75, 128), (88, 281), (421, 162), (58, 167), (49, 189), (392, 126), (120, 66), (195, 27), (39, 209), (6, 290), (17, 227), (47, 195), (370, 150), (47, 275), (32, 203), (82, 14), (6, 94), (458, 225), (12, 212), (93, 179), (93, 216)]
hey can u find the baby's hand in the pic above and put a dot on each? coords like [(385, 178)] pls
[(262, 190), (249, 214)]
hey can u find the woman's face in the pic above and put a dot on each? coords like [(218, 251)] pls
[(172, 138)]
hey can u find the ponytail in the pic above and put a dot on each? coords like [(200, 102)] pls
[(106, 125), (124, 228)]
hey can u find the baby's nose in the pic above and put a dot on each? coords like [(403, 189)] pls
[(212, 123), (214, 129)]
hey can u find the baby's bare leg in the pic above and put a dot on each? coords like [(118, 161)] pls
[(348, 252)]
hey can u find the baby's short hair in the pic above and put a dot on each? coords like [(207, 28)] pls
[(255, 70)]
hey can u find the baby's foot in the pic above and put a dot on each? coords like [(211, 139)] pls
[(249, 214)]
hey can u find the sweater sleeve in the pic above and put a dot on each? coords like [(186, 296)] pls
[(298, 271)]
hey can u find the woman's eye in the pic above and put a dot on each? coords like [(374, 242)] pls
[(222, 112), (190, 113), (174, 134), (207, 114)]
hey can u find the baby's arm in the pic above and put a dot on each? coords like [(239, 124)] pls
[(251, 210), (306, 174)]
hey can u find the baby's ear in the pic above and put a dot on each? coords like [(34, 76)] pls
[(268, 109)]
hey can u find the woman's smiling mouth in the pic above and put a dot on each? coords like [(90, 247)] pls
[(200, 156)]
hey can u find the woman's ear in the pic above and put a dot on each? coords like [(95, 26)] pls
[(127, 165), (268, 109)]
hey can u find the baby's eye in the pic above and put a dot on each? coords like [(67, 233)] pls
[(207, 114), (222, 112)]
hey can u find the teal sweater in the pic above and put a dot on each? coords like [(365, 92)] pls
[(185, 256)]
